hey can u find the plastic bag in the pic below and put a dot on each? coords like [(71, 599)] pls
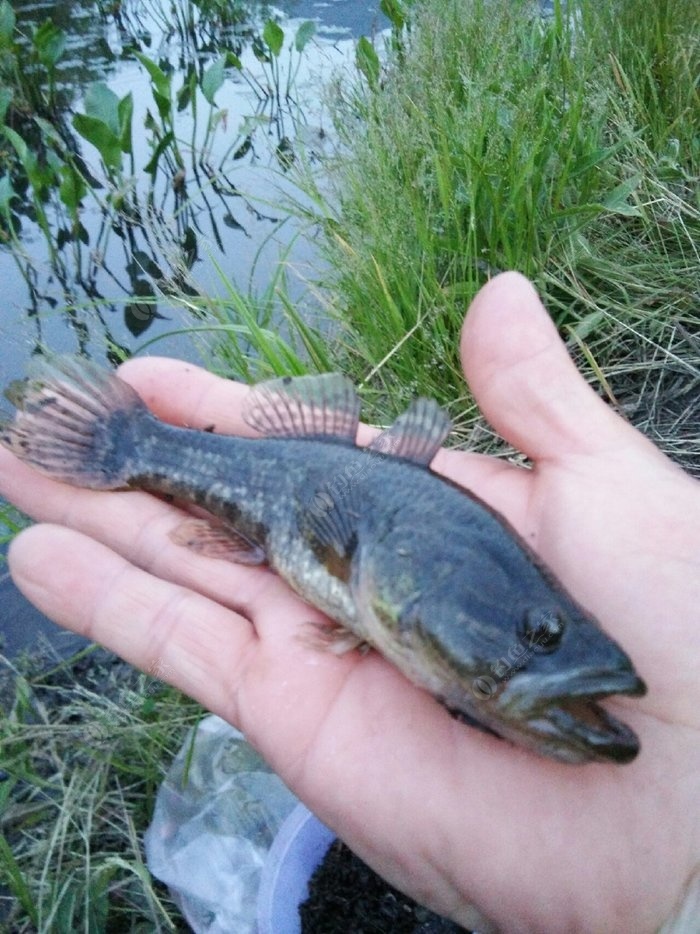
[(211, 833)]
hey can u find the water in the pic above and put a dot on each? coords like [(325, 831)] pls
[(228, 217), (232, 216)]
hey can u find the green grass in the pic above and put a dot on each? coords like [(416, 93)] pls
[(11, 522), (84, 746), (490, 140), (567, 149)]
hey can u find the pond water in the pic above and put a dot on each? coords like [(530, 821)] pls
[(213, 201), (226, 206)]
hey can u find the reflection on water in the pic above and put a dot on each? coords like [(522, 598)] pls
[(23, 626), (338, 18), (173, 209), (198, 186)]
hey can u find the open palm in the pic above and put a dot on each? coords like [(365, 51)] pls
[(452, 816)]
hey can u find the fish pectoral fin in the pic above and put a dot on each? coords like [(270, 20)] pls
[(324, 406), (330, 637), (416, 435), (217, 540)]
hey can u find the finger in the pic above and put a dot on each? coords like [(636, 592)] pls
[(158, 626), (184, 394), (246, 673), (524, 380), (204, 649)]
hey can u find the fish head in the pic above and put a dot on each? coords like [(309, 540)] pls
[(531, 668), (545, 690)]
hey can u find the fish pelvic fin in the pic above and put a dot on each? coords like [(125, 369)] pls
[(215, 539), (327, 637), (75, 422)]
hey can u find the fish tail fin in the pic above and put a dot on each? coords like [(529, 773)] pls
[(75, 422)]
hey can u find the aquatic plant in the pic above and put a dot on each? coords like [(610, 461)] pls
[(151, 208), (28, 69)]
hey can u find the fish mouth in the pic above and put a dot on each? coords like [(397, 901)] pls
[(561, 716)]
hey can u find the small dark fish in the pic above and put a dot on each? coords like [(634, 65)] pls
[(399, 557)]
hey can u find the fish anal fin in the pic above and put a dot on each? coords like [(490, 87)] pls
[(216, 540), (330, 637), (417, 434), (304, 407)]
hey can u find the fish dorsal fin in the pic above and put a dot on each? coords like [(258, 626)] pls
[(304, 407), (417, 434)]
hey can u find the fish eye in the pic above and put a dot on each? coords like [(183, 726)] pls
[(542, 630)]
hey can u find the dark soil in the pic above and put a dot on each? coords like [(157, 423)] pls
[(347, 897)]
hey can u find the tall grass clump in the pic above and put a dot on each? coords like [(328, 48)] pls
[(653, 50), (494, 138)]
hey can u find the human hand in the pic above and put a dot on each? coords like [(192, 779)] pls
[(452, 816)]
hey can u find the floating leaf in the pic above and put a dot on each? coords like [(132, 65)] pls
[(186, 92), (72, 188), (183, 97), (305, 32), (139, 315), (161, 85), (152, 165), (213, 78), (159, 78), (233, 61), (273, 36), (259, 50)]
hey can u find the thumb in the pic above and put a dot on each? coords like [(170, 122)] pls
[(524, 380)]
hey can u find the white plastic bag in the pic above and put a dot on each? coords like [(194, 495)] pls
[(210, 834)]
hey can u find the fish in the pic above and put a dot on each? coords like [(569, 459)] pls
[(399, 558)]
